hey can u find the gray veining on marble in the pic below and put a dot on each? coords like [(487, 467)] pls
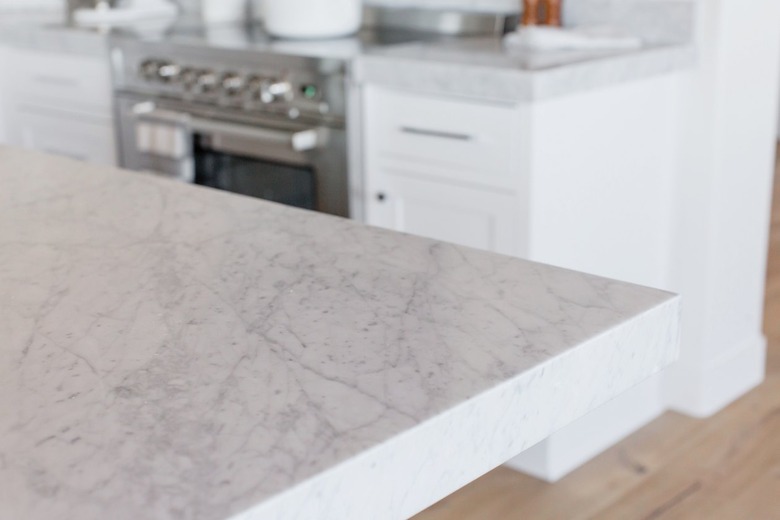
[(174, 352)]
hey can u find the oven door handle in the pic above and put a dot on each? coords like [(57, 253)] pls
[(298, 140)]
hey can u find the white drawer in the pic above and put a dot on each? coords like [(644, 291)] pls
[(60, 81), (453, 139), (84, 139)]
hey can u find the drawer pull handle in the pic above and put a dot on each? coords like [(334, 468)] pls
[(381, 197), (54, 80), (65, 153), (436, 133)]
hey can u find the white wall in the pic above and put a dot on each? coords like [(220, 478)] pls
[(712, 248), (612, 219), (723, 204)]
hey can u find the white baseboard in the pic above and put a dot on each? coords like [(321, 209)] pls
[(569, 448), (702, 392)]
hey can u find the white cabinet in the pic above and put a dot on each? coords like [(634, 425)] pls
[(451, 139), (75, 82), (447, 212), (588, 181), (67, 134), (60, 104), (444, 169)]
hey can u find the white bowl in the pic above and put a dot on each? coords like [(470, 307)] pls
[(309, 19)]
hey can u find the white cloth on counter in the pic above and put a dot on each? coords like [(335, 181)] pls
[(543, 38), (128, 12)]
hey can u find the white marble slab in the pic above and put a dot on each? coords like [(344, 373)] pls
[(174, 352), (483, 68)]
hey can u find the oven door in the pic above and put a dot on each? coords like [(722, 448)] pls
[(284, 162), (226, 169)]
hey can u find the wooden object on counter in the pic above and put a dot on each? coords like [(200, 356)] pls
[(541, 12), (552, 12), (530, 12)]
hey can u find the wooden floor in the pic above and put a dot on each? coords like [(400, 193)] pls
[(726, 467)]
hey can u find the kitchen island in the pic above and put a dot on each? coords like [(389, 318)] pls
[(174, 352)]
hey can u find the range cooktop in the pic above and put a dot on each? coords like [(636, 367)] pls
[(253, 37)]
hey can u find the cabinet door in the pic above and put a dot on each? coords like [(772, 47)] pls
[(65, 134), (462, 215), (451, 139), (60, 81)]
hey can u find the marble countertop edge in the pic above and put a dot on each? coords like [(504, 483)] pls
[(331, 370), (505, 84), (461, 458), (613, 70)]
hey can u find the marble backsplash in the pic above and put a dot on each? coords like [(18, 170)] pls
[(657, 21)]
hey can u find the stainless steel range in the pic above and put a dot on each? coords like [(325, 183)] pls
[(229, 107), (251, 121)]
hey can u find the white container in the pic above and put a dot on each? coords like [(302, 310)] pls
[(217, 11), (306, 19)]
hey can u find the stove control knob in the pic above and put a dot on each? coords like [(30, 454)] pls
[(148, 69), (274, 90), (255, 86), (205, 82), (168, 72), (189, 77), (232, 84)]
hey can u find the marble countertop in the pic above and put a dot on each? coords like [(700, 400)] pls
[(484, 68), (176, 352)]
